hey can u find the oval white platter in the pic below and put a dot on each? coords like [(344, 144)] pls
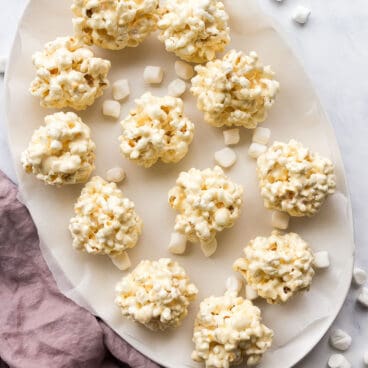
[(90, 281)]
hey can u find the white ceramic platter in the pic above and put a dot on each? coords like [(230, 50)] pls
[(90, 281)]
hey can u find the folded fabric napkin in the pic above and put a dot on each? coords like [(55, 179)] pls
[(39, 326)]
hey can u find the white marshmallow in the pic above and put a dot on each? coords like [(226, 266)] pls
[(121, 261), (338, 361), (183, 70), (116, 175), (209, 248), (321, 259), (340, 340), (359, 276), (176, 88), (231, 136), (3, 62), (153, 74), (301, 14), (225, 157), (111, 108), (280, 220), (363, 297), (261, 135), (234, 284), (365, 358), (178, 243), (120, 89), (250, 293), (256, 149)]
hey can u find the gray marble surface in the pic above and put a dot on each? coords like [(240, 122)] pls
[(333, 49)]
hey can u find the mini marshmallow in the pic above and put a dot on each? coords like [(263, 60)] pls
[(121, 261), (363, 297), (111, 108), (209, 248), (120, 89), (261, 135), (321, 259), (280, 220), (231, 136), (340, 340), (301, 14), (116, 175), (178, 243), (225, 157), (234, 284), (153, 74), (3, 62), (256, 149), (338, 361), (365, 358), (250, 293), (359, 276), (183, 70), (176, 88)]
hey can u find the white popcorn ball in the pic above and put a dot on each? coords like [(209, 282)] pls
[(156, 294), (294, 179), (340, 340), (338, 361), (301, 14), (111, 108), (256, 149), (231, 136), (156, 129), (228, 330), (207, 201), (195, 30), (280, 220), (234, 284), (120, 89), (105, 221), (68, 75), (183, 70), (116, 24), (363, 297), (60, 151), (121, 261), (153, 74), (250, 293), (359, 276), (277, 267), (261, 135), (176, 88), (3, 62), (235, 91), (321, 259), (225, 157), (178, 243), (116, 175)]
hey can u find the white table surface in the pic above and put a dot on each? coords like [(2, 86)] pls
[(333, 49)]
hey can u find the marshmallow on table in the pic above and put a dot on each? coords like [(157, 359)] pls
[(256, 149), (183, 70), (365, 358), (234, 284), (321, 259), (120, 89), (121, 261), (153, 74), (340, 340), (225, 157), (250, 293), (301, 14), (176, 88), (363, 297), (338, 361), (261, 135), (359, 276), (209, 248), (111, 108), (3, 61), (178, 243), (116, 174), (231, 136), (280, 220)]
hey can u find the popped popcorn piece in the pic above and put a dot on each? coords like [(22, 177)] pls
[(363, 297), (121, 261), (60, 151), (111, 108), (178, 243), (153, 74), (156, 129), (236, 90), (120, 89), (210, 248), (116, 175), (301, 14), (340, 340), (365, 358), (250, 293), (231, 136), (105, 221), (277, 267), (183, 70), (338, 361), (228, 330), (114, 25), (68, 75), (207, 202), (321, 260), (255, 150), (359, 276), (294, 179), (234, 284), (261, 135), (195, 30), (156, 294), (176, 88), (280, 220), (3, 62), (225, 157)]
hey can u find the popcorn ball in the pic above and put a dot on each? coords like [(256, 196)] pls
[(156, 129), (207, 202), (277, 267), (156, 294), (68, 75), (61, 151), (293, 179), (228, 331), (114, 25), (235, 91), (105, 222), (194, 29)]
